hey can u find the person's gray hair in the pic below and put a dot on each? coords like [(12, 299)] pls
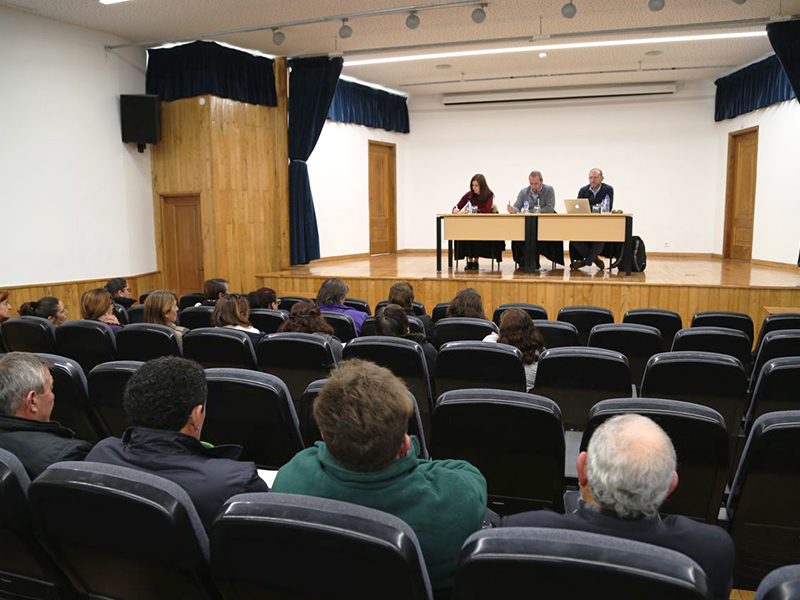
[(20, 373), (536, 174), (629, 465), (332, 291)]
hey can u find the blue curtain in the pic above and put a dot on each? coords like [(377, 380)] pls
[(756, 86), (785, 40), (208, 68), (312, 83), (363, 105)]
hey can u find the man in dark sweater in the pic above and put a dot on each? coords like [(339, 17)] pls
[(26, 402), (595, 192), (627, 473)]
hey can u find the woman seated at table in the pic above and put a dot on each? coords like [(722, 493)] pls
[(161, 308), (232, 311), (517, 329), (98, 305), (482, 200)]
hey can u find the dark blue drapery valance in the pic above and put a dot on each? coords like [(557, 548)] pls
[(208, 68), (756, 86), (363, 105)]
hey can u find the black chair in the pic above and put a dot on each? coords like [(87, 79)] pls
[(777, 322), (557, 334), (196, 317), (106, 394), (219, 347), (762, 506), (121, 313), (721, 340), (343, 325), (534, 310), (267, 320), (584, 318), (145, 341), (88, 342), (440, 311), (144, 296), (136, 314), (725, 318), (578, 378), (357, 304), (71, 408), (668, 322), (27, 571), (454, 329), (516, 440), (465, 365), (776, 389), (121, 533), (253, 410), (190, 300), (287, 302), (700, 438), (515, 563), (782, 584), (775, 344), (296, 358), (417, 307), (29, 334), (637, 342), (368, 326), (311, 544)]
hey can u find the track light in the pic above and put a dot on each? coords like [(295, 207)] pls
[(740, 1), (479, 15), (278, 37), (569, 10), (412, 20), (655, 5), (345, 31)]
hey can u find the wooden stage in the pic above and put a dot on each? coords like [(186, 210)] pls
[(685, 285)]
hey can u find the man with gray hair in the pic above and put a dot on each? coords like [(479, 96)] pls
[(26, 402), (625, 476)]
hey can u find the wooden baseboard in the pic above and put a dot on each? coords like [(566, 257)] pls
[(771, 263)]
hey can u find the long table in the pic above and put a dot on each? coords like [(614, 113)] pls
[(533, 228)]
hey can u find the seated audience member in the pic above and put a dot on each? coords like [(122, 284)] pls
[(46, 307), (5, 306), (402, 294), (368, 458), (466, 303), (263, 298), (26, 402), (161, 308), (305, 317), (330, 298), (517, 329), (625, 476), (97, 305), (232, 311), (392, 320), (120, 292), (165, 404), (214, 289)]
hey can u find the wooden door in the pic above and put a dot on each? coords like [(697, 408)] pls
[(183, 244), (740, 197), (382, 204)]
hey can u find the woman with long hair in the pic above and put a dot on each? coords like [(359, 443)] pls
[(481, 198), (46, 307), (466, 303), (161, 308), (305, 317), (517, 329), (232, 311), (98, 305)]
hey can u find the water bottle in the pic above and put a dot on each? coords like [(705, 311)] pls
[(605, 207), (469, 207), (526, 207)]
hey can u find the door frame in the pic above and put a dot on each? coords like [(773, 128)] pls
[(727, 231), (163, 254), (393, 192)]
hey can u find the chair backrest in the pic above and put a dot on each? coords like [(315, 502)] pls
[(417, 307), (534, 310), (775, 344), (287, 302), (88, 342), (254, 410), (144, 296), (145, 341), (584, 318), (464, 365), (121, 314), (121, 533), (782, 584), (358, 304), (313, 545), (762, 505), (700, 438), (196, 317), (578, 378), (106, 394), (557, 334), (29, 334), (515, 439), (721, 340), (725, 318), (343, 325), (461, 328), (509, 562), (189, 300), (668, 322), (439, 311), (267, 320), (637, 342), (368, 327), (219, 347), (136, 314), (777, 322), (776, 388)]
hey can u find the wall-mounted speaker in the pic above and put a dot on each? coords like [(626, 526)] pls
[(141, 119)]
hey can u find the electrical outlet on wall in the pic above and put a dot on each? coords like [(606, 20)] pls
[(666, 244)]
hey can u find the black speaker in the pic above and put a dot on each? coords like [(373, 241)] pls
[(141, 119)]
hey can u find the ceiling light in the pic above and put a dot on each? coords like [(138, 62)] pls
[(569, 10), (345, 31), (112, 1), (412, 20), (654, 53), (278, 37), (740, 1), (479, 15), (655, 5), (444, 66), (542, 54)]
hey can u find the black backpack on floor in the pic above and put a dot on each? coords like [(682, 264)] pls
[(639, 262)]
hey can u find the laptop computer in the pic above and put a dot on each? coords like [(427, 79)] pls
[(577, 206)]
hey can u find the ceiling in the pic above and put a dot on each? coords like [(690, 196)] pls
[(509, 23)]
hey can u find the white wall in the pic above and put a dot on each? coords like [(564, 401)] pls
[(76, 203)]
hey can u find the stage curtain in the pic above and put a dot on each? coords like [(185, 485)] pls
[(208, 68), (312, 83), (785, 40), (756, 86), (363, 105)]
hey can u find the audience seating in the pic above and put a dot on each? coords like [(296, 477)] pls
[(27, 571), (668, 322), (287, 302), (417, 307), (88, 342), (557, 334), (219, 347), (515, 439), (121, 533), (777, 322), (782, 584), (534, 310), (357, 304), (268, 320), (721, 340), (29, 334), (368, 326), (196, 317), (700, 438), (136, 314), (725, 318), (516, 563), (439, 311), (121, 313), (584, 318), (762, 505), (637, 342), (343, 325), (145, 341), (191, 299), (253, 410), (144, 296), (577, 378), (777, 388), (291, 546), (106, 394), (465, 365), (775, 344), (461, 328)]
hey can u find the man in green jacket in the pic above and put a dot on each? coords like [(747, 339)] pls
[(369, 459)]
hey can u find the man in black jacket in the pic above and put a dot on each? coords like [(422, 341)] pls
[(596, 192), (165, 404), (26, 403)]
